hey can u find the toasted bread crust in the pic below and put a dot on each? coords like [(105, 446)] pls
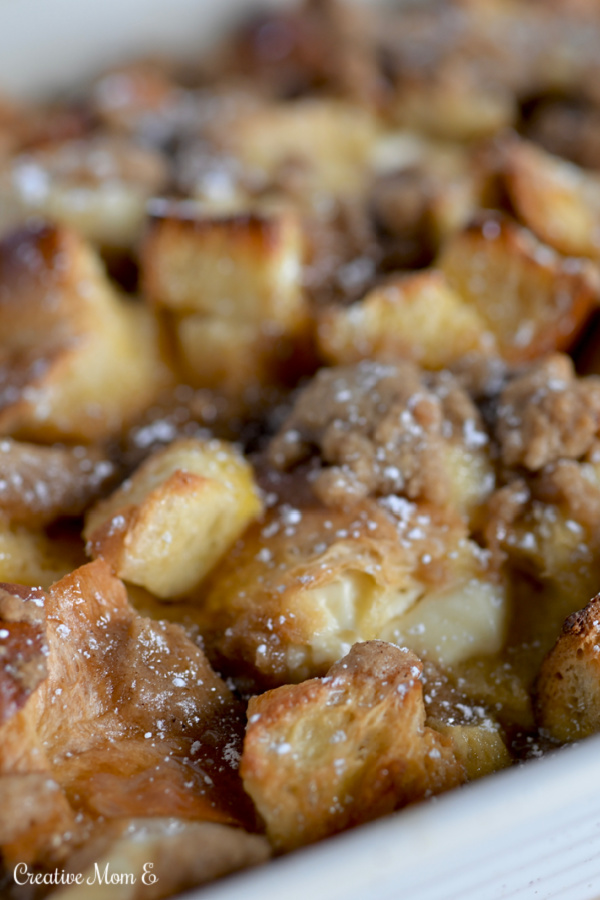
[(176, 517), (568, 687), (333, 752), (116, 713), (532, 300)]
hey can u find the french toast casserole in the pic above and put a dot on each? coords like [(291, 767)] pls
[(299, 435)]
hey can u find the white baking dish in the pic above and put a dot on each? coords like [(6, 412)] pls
[(531, 832)]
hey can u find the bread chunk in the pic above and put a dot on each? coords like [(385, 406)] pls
[(531, 299), (35, 814), (123, 713), (179, 853), (237, 358), (416, 317), (306, 583), (568, 688), (452, 105), (232, 288), (559, 201), (330, 139), (76, 361), (331, 753), (97, 185), (169, 524), (244, 267), (473, 728), (479, 748)]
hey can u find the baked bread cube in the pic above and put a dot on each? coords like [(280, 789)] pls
[(35, 814), (532, 300), (245, 267), (329, 139), (78, 362), (556, 199), (179, 513), (546, 529), (232, 284), (472, 726), (178, 853), (568, 687), (307, 582), (334, 752), (417, 317), (478, 748), (97, 185), (123, 714), (451, 105), (235, 357)]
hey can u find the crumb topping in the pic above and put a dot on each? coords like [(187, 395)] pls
[(379, 429)]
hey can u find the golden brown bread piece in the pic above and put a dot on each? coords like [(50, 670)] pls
[(567, 701), (98, 185), (242, 266), (232, 288), (307, 582), (479, 748), (559, 201), (331, 753), (415, 316), (176, 516), (129, 719), (451, 104), (77, 362), (329, 139), (479, 742), (238, 358), (531, 299), (546, 528), (179, 853)]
